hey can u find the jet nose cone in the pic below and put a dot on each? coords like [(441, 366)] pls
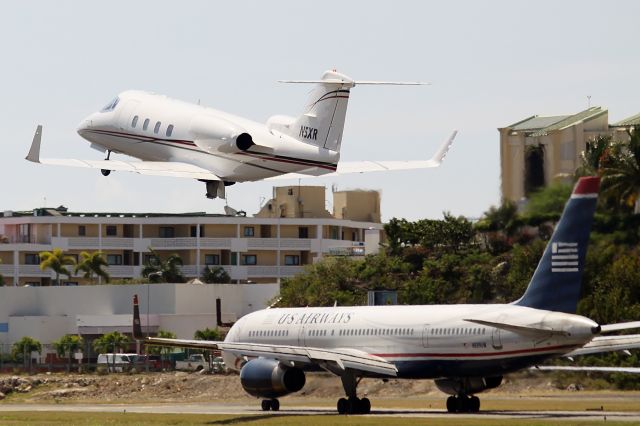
[(84, 125)]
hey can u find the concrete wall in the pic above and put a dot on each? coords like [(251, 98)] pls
[(47, 313)]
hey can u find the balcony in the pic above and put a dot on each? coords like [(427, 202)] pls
[(279, 243), (94, 242)]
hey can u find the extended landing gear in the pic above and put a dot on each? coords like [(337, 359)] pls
[(352, 404), (463, 404), (270, 404), (215, 188), (106, 172)]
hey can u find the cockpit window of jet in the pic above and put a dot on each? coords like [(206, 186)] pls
[(466, 349), (180, 139)]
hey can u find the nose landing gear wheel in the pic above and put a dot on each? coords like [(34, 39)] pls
[(270, 404)]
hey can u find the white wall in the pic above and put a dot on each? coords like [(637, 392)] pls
[(47, 313)]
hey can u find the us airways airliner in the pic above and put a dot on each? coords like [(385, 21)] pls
[(180, 139), (466, 348)]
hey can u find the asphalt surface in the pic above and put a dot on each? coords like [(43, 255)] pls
[(244, 410)]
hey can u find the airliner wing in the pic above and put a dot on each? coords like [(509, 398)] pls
[(333, 360), (153, 168), (349, 167)]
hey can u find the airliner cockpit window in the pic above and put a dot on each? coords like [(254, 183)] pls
[(111, 105)]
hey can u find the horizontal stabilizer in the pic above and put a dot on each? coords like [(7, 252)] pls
[(355, 83), (602, 344), (521, 329), (620, 326), (631, 370)]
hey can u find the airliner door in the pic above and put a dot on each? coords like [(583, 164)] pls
[(425, 335), (301, 338), (496, 340)]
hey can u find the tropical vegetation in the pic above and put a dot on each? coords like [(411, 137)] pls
[(112, 342), (92, 264), (215, 275), (67, 345), (167, 270), (57, 261), (21, 350)]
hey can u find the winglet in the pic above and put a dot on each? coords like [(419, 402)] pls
[(34, 151), (137, 329), (444, 149)]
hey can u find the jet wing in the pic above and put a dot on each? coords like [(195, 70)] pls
[(333, 360), (153, 168), (349, 167)]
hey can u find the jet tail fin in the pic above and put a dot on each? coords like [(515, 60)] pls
[(34, 151), (557, 281), (137, 328)]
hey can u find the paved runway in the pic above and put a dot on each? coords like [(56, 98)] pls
[(241, 409)]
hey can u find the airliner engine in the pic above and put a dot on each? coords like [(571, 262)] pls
[(267, 378)]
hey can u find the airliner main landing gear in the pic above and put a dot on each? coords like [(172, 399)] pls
[(463, 404), (352, 404), (270, 404)]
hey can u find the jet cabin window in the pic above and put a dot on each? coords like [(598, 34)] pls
[(156, 129), (145, 125), (111, 105), (169, 130), (134, 122)]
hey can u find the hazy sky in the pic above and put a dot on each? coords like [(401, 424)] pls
[(491, 64)]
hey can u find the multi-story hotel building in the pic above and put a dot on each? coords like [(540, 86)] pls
[(291, 230)]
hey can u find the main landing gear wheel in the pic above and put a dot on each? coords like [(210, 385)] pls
[(105, 172), (270, 404), (463, 404), (354, 405)]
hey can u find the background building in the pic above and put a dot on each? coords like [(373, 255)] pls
[(291, 230), (539, 150)]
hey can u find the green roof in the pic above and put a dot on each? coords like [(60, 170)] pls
[(634, 120), (541, 125)]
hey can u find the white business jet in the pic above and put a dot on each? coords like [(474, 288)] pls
[(466, 348), (180, 139)]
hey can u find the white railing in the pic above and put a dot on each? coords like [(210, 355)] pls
[(94, 242), (273, 271), (220, 243), (182, 242), (282, 243), (6, 270), (122, 271)]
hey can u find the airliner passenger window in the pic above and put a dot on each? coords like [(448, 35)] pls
[(170, 130), (111, 105), (157, 128), (134, 122), (145, 126)]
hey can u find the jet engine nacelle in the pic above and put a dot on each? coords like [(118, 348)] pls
[(267, 378), (215, 134), (468, 385)]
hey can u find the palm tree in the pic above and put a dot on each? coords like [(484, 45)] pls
[(215, 275), (207, 334), (23, 348), (110, 342), (56, 260), (595, 156), (168, 271), (91, 264), (67, 345), (621, 175)]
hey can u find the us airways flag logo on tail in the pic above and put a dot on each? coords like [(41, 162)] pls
[(564, 257)]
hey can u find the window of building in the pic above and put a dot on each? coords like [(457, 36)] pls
[(292, 259), (194, 231), (249, 259), (249, 231), (82, 230), (114, 259), (112, 230), (167, 232), (303, 232), (31, 259), (145, 125), (211, 259), (169, 130), (70, 283), (134, 122), (156, 129), (147, 259), (33, 284)]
